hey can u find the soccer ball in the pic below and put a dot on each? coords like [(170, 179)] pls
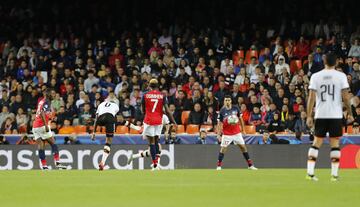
[(233, 119)]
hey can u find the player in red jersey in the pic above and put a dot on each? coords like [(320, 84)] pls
[(153, 103), (228, 124), (42, 132)]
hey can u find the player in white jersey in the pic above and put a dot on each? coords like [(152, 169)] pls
[(328, 88), (106, 116), (146, 153)]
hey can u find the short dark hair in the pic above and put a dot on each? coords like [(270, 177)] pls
[(227, 96), (330, 59)]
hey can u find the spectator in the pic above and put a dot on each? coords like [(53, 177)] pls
[(256, 118), (86, 117), (71, 140), (210, 117), (355, 49), (275, 125), (281, 66), (300, 125), (90, 81), (3, 140), (196, 116), (127, 110), (25, 140), (290, 123), (173, 139), (202, 137), (302, 49), (8, 126), (21, 118)]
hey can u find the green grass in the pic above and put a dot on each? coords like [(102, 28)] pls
[(182, 188)]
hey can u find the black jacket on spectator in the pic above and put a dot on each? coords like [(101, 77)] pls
[(182, 105), (196, 117), (275, 125), (315, 67)]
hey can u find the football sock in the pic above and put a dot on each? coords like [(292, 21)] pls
[(145, 153), (153, 154), (220, 159), (158, 157), (312, 156), (247, 158), (55, 151), (335, 158), (42, 157), (105, 153)]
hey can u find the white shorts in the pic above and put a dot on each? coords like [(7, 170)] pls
[(236, 138), (40, 132), (152, 130)]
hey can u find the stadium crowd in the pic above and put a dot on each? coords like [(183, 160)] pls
[(266, 70)]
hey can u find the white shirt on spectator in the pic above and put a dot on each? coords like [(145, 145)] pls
[(254, 78), (187, 70), (240, 79), (251, 69), (146, 69), (224, 68), (279, 68), (89, 82), (354, 51), (19, 54), (163, 40)]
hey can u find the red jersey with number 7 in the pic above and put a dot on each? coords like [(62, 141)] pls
[(154, 101)]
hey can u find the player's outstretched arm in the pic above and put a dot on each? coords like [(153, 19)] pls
[(169, 114), (309, 109), (94, 130)]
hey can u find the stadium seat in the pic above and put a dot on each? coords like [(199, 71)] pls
[(237, 55), (67, 130), (192, 129), (8, 131), (80, 129), (206, 127), (133, 131), (348, 130), (99, 129), (180, 129), (185, 117), (122, 129), (249, 54), (250, 129)]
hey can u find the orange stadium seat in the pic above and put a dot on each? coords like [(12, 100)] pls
[(192, 129), (67, 130), (206, 127), (185, 117), (180, 129), (133, 131), (250, 129), (122, 129), (237, 55), (80, 129), (249, 54)]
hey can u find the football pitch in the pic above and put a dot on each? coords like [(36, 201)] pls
[(179, 188)]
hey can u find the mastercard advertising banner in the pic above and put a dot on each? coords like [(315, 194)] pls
[(350, 156)]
